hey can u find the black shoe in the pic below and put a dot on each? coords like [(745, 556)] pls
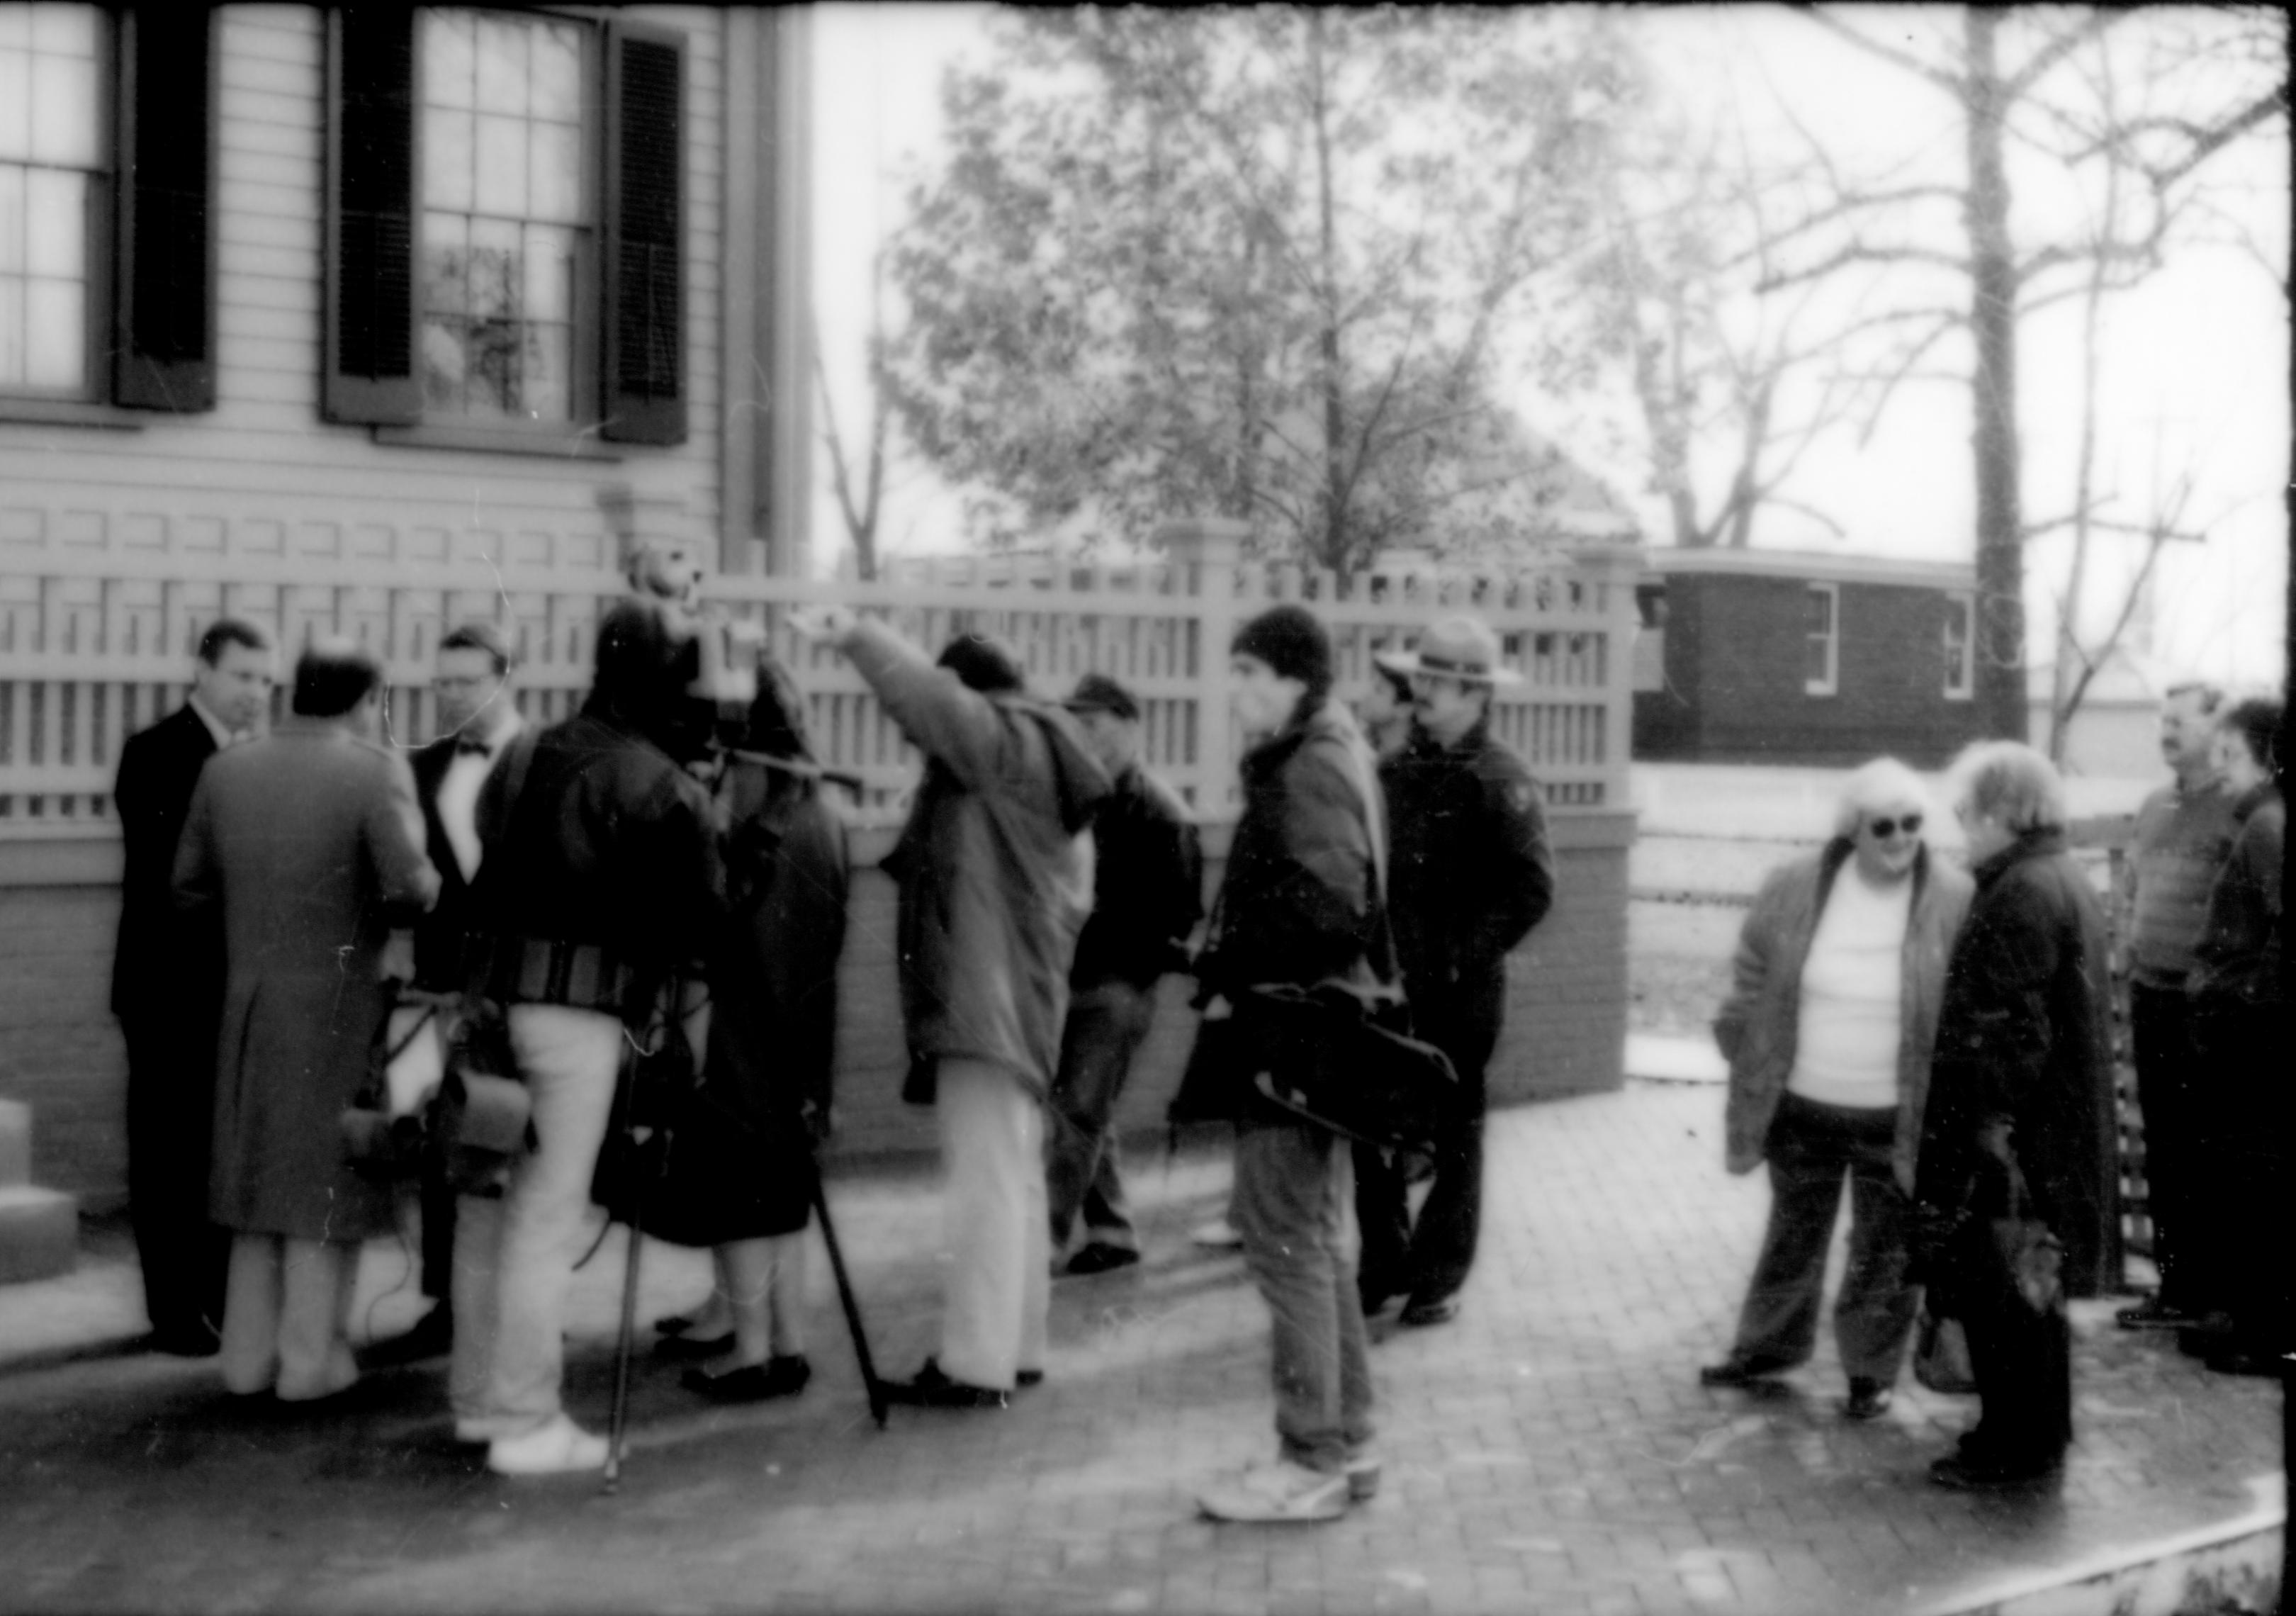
[(2210, 1334), (1026, 1378), (1967, 1475), (1099, 1257), (933, 1389), (1735, 1371), (751, 1382), (197, 1341), (2154, 1314), (1420, 1315), (2247, 1360), (1867, 1401), (692, 1346), (431, 1336)]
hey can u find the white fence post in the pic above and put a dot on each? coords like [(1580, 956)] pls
[(1211, 547)]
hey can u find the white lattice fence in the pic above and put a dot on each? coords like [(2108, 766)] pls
[(99, 617)]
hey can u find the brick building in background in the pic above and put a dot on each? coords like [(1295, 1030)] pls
[(1784, 657)]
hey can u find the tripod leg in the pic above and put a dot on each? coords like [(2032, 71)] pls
[(869, 1381), (618, 1422)]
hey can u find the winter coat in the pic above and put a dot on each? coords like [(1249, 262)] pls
[(2238, 959), (2025, 1037), (1469, 876), (1759, 1023), (772, 1046), (309, 844), (1148, 886), (601, 878), (1300, 904), (1301, 900), (994, 866)]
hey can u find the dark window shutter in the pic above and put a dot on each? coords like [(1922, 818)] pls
[(163, 347), (643, 391), (370, 305)]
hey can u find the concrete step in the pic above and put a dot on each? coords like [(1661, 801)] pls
[(15, 1143), (39, 1229), (39, 1233)]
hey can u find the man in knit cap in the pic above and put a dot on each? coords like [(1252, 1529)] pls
[(1299, 906)]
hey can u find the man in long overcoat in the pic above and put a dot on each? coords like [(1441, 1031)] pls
[(310, 845), (167, 990)]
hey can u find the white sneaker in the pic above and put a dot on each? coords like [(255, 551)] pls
[(1217, 1235), (555, 1449), (1281, 1491)]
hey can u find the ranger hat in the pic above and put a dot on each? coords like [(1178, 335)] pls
[(1098, 693), (1452, 648)]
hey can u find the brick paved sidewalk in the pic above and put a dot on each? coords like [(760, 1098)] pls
[(1550, 1452)]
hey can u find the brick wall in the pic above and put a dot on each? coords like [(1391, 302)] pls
[(59, 1050), (1735, 674)]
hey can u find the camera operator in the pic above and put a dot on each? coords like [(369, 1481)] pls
[(601, 875)]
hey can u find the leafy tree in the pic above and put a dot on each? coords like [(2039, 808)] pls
[(1260, 262)]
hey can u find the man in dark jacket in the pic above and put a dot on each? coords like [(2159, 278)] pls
[(1147, 897), (308, 845), (600, 882), (167, 990), (1300, 907), (1469, 876), (477, 722), (2020, 1124), (995, 877)]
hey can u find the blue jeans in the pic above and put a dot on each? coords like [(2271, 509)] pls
[(1294, 1183), (1103, 1031)]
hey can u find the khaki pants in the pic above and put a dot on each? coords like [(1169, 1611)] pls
[(514, 1257), (992, 1141), (286, 1316)]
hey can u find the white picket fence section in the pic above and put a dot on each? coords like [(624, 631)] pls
[(99, 616)]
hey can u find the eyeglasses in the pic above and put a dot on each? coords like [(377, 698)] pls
[(1883, 829)]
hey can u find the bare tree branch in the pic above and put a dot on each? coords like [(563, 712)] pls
[(1889, 53)]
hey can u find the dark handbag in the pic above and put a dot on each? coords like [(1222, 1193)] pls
[(1342, 1062), (1998, 1262), (1941, 1355), (653, 1097)]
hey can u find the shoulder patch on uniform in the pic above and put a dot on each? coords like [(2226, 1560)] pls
[(1518, 793)]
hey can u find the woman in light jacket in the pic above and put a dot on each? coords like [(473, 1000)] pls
[(1828, 1030)]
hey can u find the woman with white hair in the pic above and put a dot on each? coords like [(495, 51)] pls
[(1828, 1029), (2017, 1168)]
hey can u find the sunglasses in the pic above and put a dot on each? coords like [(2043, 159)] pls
[(1885, 828)]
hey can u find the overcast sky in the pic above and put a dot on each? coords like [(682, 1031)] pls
[(2196, 374)]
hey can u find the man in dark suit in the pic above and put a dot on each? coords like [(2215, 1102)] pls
[(167, 990), (477, 722)]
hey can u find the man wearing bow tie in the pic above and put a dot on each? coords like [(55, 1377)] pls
[(477, 722)]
